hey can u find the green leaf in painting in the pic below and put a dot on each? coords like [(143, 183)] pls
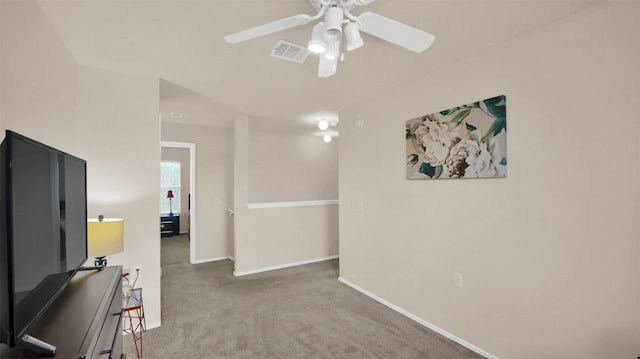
[(413, 159), (438, 172), (498, 125), (460, 116), (427, 169), (408, 134), (471, 128), (503, 161), (497, 106), (449, 111)]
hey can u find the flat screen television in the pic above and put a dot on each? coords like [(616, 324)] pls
[(43, 234)]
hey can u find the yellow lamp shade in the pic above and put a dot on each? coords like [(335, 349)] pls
[(105, 237)]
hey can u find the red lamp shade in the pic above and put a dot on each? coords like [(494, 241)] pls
[(170, 194)]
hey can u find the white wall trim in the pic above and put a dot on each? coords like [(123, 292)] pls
[(419, 320), (322, 202), (282, 266), (207, 260)]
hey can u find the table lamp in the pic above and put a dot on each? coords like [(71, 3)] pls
[(170, 196), (105, 236)]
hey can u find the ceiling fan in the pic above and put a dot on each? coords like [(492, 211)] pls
[(327, 35)]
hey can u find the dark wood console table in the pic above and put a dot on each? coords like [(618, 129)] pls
[(84, 321)]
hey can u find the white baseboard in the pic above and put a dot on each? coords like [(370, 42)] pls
[(266, 269), (206, 260), (419, 320)]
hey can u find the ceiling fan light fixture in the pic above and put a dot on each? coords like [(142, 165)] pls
[(333, 49), (317, 45), (352, 33), (338, 20), (333, 23)]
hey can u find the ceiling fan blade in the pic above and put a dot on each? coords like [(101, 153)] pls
[(395, 32), (269, 28)]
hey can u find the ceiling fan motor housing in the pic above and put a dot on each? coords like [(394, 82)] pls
[(343, 4)]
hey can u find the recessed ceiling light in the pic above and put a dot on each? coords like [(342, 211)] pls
[(326, 138), (323, 124)]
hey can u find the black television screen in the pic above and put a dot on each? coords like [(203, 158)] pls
[(44, 229)]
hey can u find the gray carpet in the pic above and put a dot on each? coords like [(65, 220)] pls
[(299, 312), (174, 250)]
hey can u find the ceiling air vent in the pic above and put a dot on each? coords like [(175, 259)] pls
[(290, 52)]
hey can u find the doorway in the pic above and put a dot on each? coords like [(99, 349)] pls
[(190, 210)]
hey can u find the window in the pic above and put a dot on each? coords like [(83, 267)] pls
[(169, 181)]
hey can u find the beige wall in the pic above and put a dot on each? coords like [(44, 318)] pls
[(241, 224), (289, 167), (549, 255), (117, 117), (273, 167), (37, 77), (180, 155), (279, 237), (98, 115), (214, 186)]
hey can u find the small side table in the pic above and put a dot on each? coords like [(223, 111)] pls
[(133, 315), (169, 225)]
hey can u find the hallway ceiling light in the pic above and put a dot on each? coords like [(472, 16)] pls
[(326, 138), (323, 124)]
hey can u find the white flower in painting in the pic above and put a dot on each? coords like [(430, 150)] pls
[(471, 158), (456, 164), (435, 139), (413, 126), (487, 163)]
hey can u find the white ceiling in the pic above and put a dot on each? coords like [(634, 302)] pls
[(181, 42)]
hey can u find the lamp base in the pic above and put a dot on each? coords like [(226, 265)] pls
[(100, 261)]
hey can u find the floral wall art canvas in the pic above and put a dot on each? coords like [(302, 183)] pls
[(468, 141)]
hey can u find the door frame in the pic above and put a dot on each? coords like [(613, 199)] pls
[(192, 191)]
